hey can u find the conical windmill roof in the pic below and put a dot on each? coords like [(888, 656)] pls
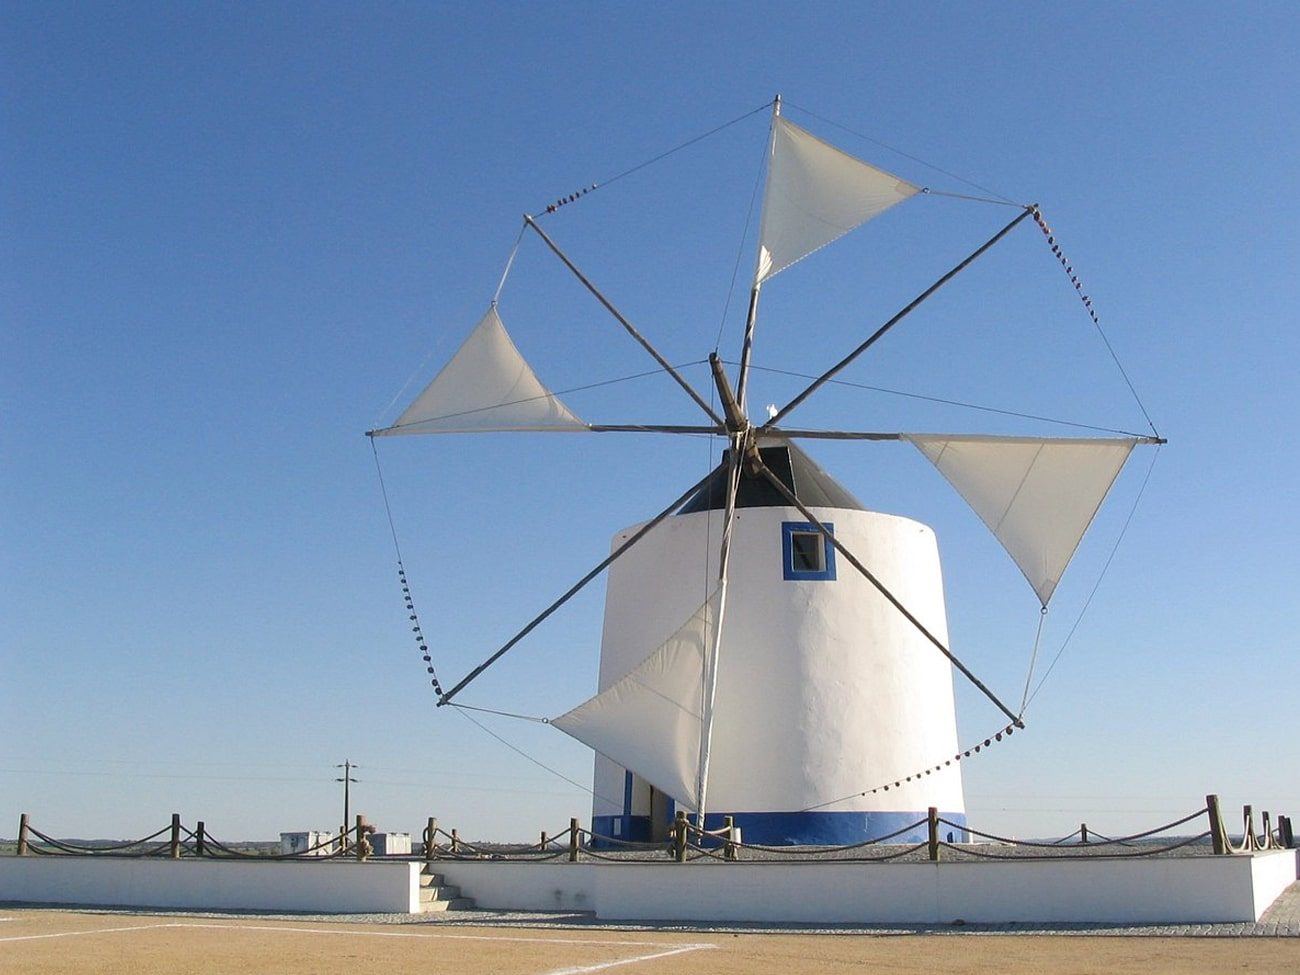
[(795, 469)]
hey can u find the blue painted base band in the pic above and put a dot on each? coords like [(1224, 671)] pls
[(836, 828), (799, 828), (630, 829)]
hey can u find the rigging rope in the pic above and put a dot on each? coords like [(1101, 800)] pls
[(428, 661), (905, 155), (523, 754), (504, 714), (420, 643), (510, 262), (740, 255), (1087, 304), (625, 379), (1033, 658), (544, 396), (572, 197), (1097, 585), (930, 191), (946, 402), (420, 369), (988, 742)]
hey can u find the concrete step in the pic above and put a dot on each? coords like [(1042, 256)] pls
[(443, 892), (456, 904), (436, 896)]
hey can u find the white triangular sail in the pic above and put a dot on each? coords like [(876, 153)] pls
[(1037, 495), (649, 721), (815, 194), (487, 386)]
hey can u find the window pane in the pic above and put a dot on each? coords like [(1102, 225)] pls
[(806, 550)]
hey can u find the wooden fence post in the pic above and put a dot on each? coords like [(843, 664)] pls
[(1218, 831), (343, 838), (200, 841), (431, 839), (932, 817), (363, 845), (455, 841), (729, 851), (22, 835), (573, 840), (176, 836), (679, 836), (1083, 833)]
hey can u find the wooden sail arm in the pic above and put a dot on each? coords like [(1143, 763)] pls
[(789, 496), (710, 676), (627, 325), (574, 589), (731, 407), (879, 333), (751, 316), (788, 434), (656, 428)]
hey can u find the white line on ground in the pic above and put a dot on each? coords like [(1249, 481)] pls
[(579, 970), (73, 934), (422, 934), (682, 949)]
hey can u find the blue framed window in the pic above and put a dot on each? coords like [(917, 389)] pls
[(806, 554)]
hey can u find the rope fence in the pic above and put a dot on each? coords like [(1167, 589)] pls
[(181, 841), (688, 842)]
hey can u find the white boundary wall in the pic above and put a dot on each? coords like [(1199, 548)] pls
[(501, 886), (1199, 889), (342, 887)]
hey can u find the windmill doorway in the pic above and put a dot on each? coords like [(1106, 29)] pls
[(646, 815), (662, 810)]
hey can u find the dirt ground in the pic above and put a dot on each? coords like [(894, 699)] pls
[(51, 941)]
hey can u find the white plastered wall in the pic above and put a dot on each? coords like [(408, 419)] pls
[(334, 887), (824, 687)]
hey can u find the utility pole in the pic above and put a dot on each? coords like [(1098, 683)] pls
[(347, 780)]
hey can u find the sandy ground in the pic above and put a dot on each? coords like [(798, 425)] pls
[(49, 941)]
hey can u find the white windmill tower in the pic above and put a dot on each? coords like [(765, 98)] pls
[(817, 667)]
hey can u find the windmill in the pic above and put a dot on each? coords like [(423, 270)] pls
[(818, 661)]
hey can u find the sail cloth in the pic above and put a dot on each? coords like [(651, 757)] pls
[(650, 720), (1037, 495), (487, 386), (815, 194)]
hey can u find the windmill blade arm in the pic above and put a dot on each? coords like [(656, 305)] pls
[(574, 589), (789, 496), (829, 434), (655, 428), (715, 647), (788, 434), (879, 333), (680, 428), (627, 325)]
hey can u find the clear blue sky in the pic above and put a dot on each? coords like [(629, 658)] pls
[(231, 234)]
